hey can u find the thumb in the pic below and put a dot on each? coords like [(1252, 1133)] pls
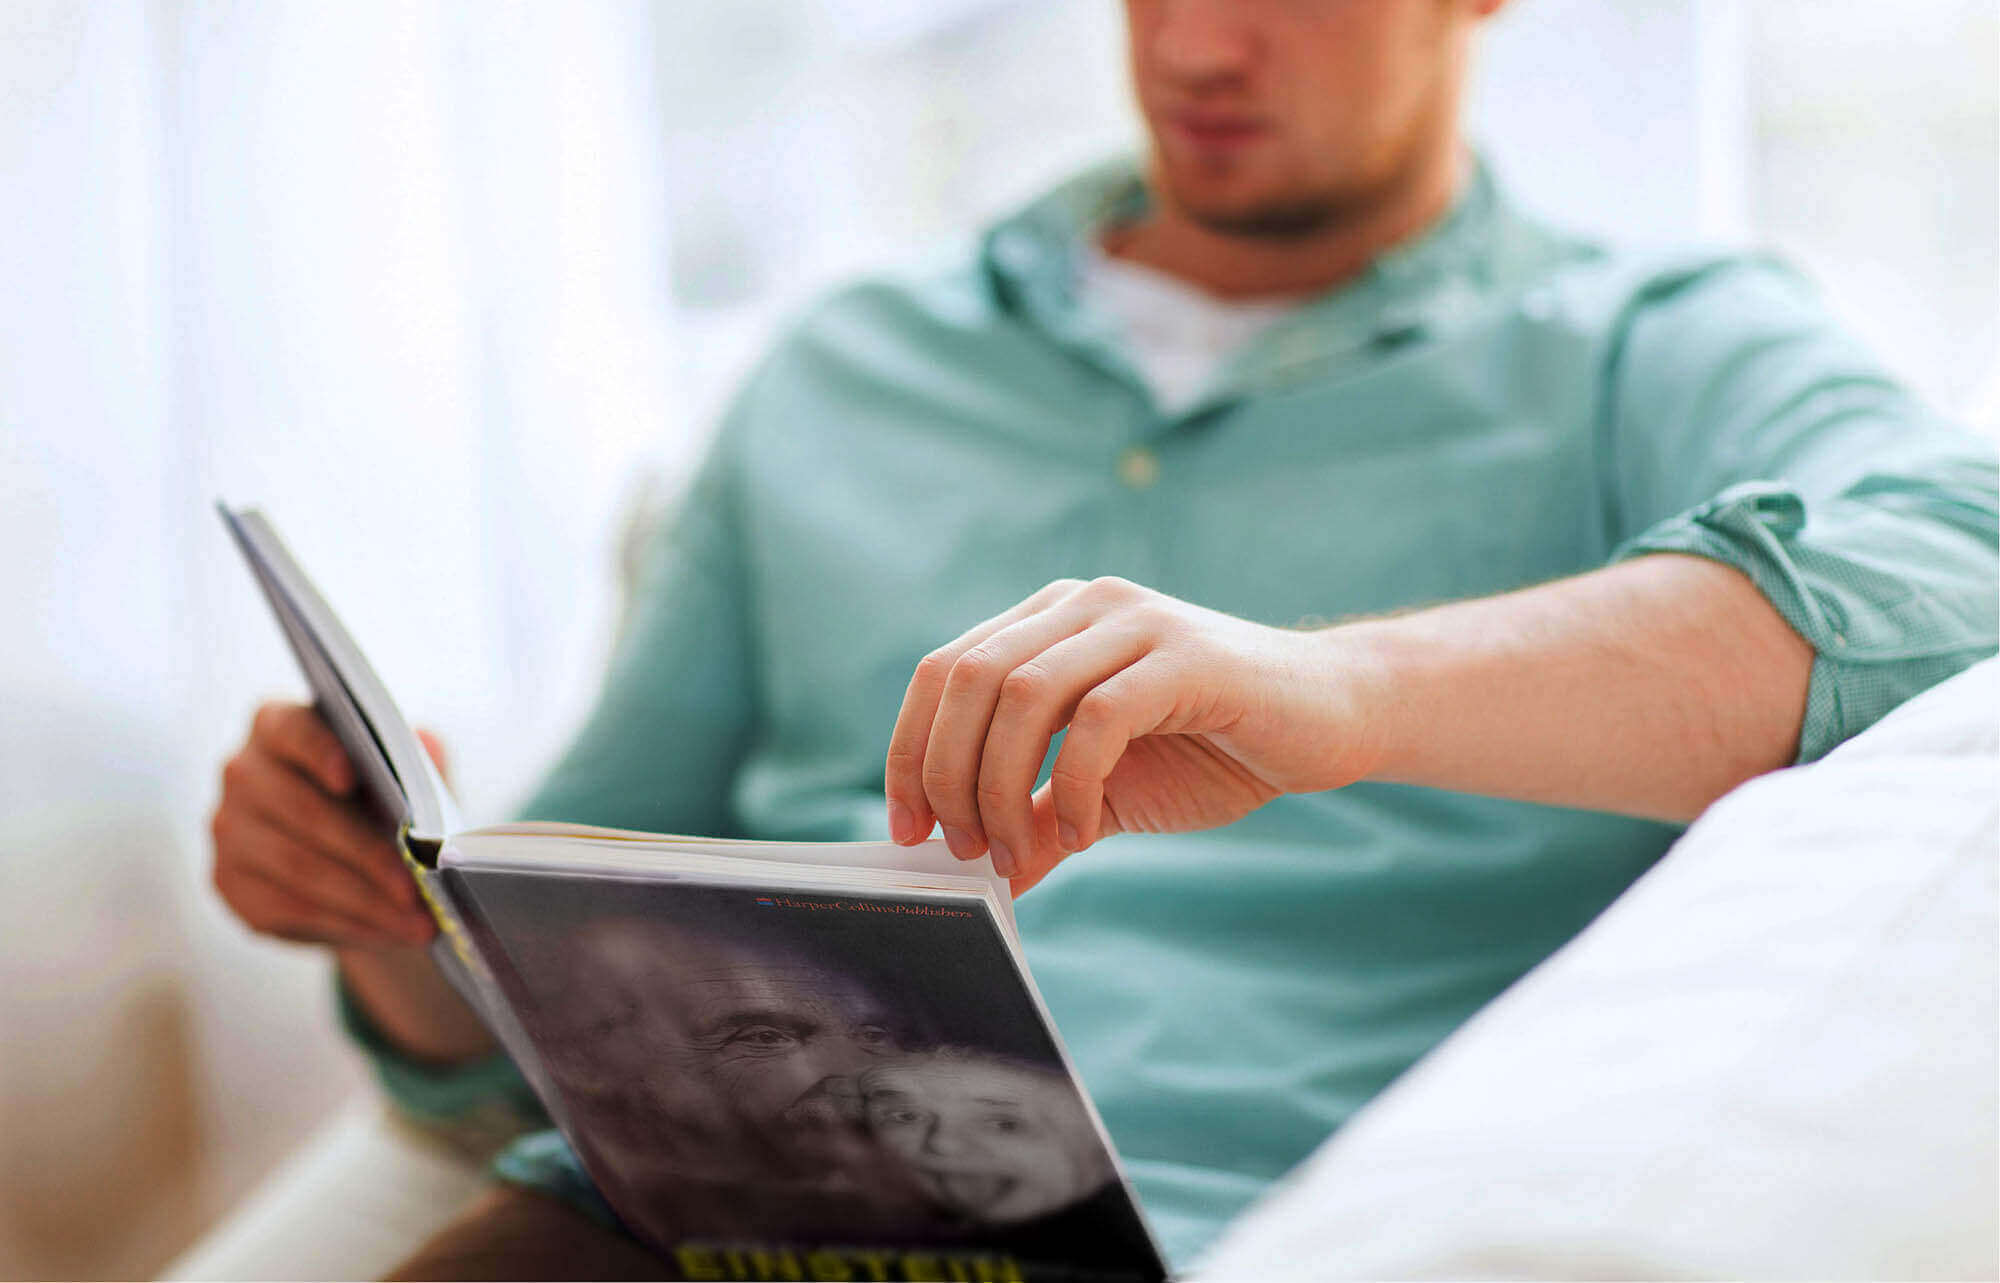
[(435, 747), (1048, 852)]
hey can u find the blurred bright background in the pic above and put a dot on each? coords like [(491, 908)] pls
[(452, 289)]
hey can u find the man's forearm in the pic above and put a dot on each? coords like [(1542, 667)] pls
[(1650, 688)]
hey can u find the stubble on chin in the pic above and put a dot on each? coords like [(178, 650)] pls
[(1278, 216)]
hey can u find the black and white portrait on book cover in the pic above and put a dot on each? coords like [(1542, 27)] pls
[(748, 1072)]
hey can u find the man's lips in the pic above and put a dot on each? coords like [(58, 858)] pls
[(1215, 128)]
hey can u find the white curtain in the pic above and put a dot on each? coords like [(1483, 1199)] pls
[(396, 272)]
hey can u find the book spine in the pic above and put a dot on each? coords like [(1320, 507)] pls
[(449, 924), (459, 958)]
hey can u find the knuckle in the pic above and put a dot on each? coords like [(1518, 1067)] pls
[(940, 776), (1057, 589), (904, 761), (1094, 712), (1025, 687), (270, 720), (974, 668), (236, 774), (934, 668), (994, 795), (942, 784), (1111, 588)]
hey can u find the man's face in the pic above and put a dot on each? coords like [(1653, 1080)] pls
[(1277, 118)]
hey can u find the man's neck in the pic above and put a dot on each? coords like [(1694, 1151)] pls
[(1243, 266)]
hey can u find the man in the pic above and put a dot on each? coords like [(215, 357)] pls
[(1313, 366)]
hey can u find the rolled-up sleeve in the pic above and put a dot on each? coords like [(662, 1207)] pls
[(476, 1107), (1744, 426)]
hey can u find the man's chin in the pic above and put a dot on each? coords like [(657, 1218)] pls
[(1274, 217), (1279, 223)]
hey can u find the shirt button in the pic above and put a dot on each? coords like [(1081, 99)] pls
[(1138, 467)]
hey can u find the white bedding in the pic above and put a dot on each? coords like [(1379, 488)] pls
[(1774, 1057)]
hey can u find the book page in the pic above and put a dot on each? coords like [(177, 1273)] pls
[(396, 773), (586, 845)]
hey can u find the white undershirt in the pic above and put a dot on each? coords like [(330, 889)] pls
[(1175, 334)]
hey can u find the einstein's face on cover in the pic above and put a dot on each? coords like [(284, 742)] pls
[(781, 1040), (716, 1056), (994, 1141)]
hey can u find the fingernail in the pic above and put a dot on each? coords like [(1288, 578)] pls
[(963, 845), (1066, 834), (1003, 859), (900, 821)]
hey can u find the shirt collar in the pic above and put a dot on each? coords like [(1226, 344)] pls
[(1426, 285)]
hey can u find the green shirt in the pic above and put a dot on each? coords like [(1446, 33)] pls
[(1492, 405)]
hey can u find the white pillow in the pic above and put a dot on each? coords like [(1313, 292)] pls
[(1774, 1057)]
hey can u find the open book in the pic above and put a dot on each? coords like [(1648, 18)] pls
[(776, 1060)]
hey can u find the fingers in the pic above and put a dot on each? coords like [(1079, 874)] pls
[(295, 807), (295, 734), (910, 815), (277, 910), (1036, 699), (439, 757), (999, 676), (1048, 851), (281, 887), (979, 714), (1126, 705), (291, 858)]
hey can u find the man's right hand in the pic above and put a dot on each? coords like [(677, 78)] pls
[(296, 855)]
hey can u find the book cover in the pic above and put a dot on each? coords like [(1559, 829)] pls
[(769, 1081)]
